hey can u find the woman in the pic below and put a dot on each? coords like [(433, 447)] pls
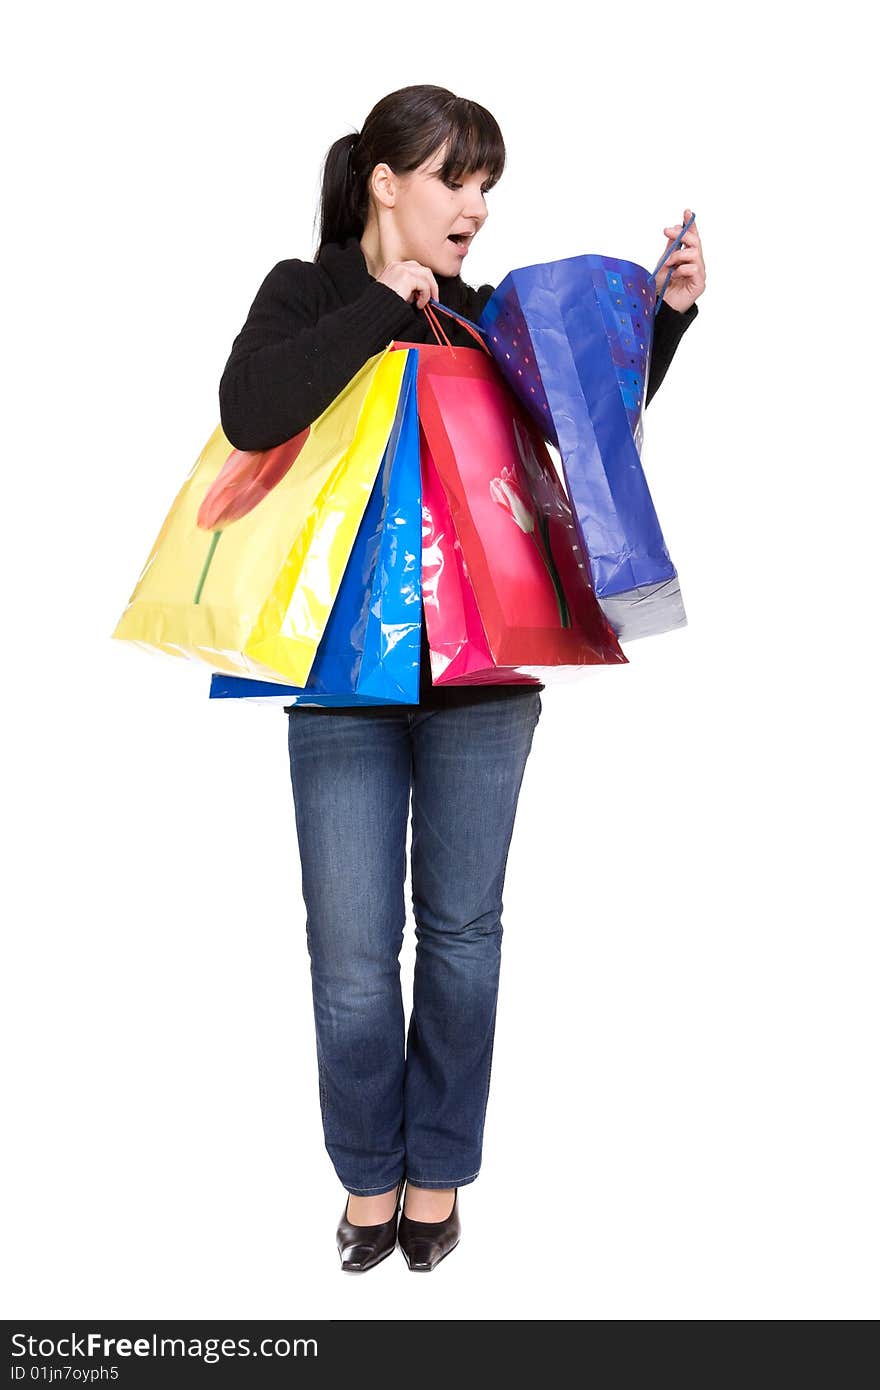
[(393, 198)]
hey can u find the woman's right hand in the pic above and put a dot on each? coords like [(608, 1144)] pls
[(410, 278)]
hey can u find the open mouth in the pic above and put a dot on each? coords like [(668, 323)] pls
[(460, 238)]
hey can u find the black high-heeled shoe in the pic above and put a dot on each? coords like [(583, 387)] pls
[(362, 1247), (426, 1243)]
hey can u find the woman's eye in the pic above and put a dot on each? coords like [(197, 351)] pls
[(484, 191)]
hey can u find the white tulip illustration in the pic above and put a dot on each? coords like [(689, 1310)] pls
[(508, 493), (505, 491)]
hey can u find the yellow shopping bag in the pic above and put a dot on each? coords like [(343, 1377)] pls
[(247, 565)]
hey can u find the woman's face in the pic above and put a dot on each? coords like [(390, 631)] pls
[(424, 211)]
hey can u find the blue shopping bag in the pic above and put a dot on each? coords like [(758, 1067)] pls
[(370, 650), (573, 340)]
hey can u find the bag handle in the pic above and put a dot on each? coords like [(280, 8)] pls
[(473, 328), (674, 247)]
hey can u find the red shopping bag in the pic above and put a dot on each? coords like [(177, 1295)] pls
[(459, 649), (519, 550)]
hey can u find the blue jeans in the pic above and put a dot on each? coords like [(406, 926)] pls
[(388, 1109)]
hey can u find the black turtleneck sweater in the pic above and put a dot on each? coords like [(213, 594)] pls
[(311, 327)]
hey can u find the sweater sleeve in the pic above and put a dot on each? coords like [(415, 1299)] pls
[(290, 360), (670, 325)]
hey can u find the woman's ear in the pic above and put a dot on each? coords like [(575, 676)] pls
[(383, 183)]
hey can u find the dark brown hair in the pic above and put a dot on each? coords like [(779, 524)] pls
[(403, 130)]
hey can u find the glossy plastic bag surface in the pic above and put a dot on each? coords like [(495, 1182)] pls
[(246, 567), (370, 650), (459, 648)]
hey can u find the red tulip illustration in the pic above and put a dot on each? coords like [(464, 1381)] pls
[(508, 492), (243, 481)]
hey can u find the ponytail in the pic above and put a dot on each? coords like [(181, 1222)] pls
[(343, 192)]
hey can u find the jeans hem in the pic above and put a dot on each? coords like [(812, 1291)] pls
[(451, 1182), (371, 1191)]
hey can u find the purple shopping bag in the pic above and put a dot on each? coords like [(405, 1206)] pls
[(573, 340)]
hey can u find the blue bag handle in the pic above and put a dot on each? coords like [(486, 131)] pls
[(674, 247), (453, 313)]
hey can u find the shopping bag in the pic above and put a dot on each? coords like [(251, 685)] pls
[(247, 565), (459, 648), (573, 341), (520, 555), (371, 646)]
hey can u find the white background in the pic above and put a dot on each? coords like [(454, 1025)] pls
[(682, 1123)]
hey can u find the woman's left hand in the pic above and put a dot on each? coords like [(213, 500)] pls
[(687, 265)]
